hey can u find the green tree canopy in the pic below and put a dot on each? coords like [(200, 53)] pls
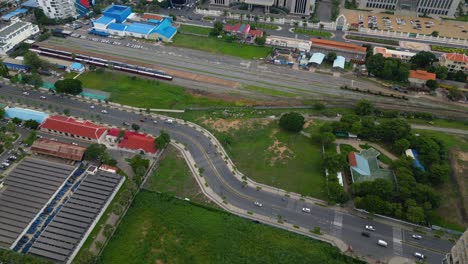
[(375, 64), (162, 140), (96, 152), (423, 59), (32, 124), (292, 122), (135, 127), (441, 72), (415, 214), (4, 70), (217, 29), (400, 145), (69, 86), (331, 56), (432, 84), (364, 107), (32, 60)]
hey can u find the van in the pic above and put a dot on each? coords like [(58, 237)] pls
[(169, 121), (382, 243)]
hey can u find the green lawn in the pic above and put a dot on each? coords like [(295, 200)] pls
[(220, 46), (273, 157), (312, 32), (452, 141), (441, 123), (194, 30), (161, 229), (145, 93), (268, 91)]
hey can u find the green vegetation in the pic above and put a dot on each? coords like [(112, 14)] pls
[(374, 40), (30, 138), (220, 46), (274, 157), (292, 122), (161, 229), (194, 30), (268, 91), (448, 49), (144, 93), (312, 32), (335, 9), (9, 256)]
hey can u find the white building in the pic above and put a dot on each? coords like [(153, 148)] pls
[(395, 54), (58, 9), (15, 33), (429, 7), (459, 252), (300, 7), (454, 62)]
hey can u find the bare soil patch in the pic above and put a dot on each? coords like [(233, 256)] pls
[(224, 125), (280, 152)]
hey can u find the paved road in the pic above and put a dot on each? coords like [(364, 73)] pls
[(220, 179)]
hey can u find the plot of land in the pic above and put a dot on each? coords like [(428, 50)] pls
[(268, 155), (194, 30), (160, 229)]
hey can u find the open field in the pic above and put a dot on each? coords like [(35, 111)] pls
[(145, 93), (219, 46), (194, 30), (268, 91), (161, 229), (268, 155)]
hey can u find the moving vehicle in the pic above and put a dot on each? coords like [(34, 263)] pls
[(25, 93), (257, 203), (155, 121), (382, 243), (104, 111), (416, 236), (169, 121), (369, 227), (366, 234), (419, 255), (92, 107), (74, 144), (306, 210), (42, 97)]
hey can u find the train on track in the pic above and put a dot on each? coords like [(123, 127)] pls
[(117, 65)]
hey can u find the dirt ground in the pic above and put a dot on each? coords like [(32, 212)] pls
[(446, 28), (224, 125), (459, 180), (282, 152)]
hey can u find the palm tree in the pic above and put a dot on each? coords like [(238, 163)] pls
[(256, 18), (321, 26), (272, 19), (225, 13), (296, 24)]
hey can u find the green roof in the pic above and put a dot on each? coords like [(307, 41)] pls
[(366, 167)]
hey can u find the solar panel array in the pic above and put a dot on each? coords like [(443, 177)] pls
[(27, 189), (61, 237)]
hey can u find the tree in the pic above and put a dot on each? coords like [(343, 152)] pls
[(292, 122), (333, 162), (393, 129), (400, 145), (69, 86), (135, 127), (256, 18), (162, 140), (415, 214), (319, 106), (32, 60), (304, 24), (217, 29), (336, 192), (295, 24), (321, 26), (375, 64), (438, 174), (441, 72), (327, 138), (174, 18), (432, 84), (4, 70), (331, 56), (373, 204), (31, 124), (455, 94), (2, 113), (380, 187), (423, 59), (96, 152), (260, 40), (364, 107), (435, 33)]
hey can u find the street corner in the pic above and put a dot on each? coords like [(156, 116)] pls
[(401, 260)]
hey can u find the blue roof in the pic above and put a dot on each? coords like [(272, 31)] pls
[(317, 58), (104, 20), (339, 62), (116, 9), (14, 13), (140, 28), (165, 29), (154, 21), (30, 3), (25, 114), (76, 66), (14, 66), (362, 165), (116, 26), (416, 162)]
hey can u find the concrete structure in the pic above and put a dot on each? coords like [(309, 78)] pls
[(291, 43), (13, 14), (454, 62), (14, 33), (420, 77), (429, 7), (317, 59), (364, 166), (299, 7), (67, 126), (42, 146), (58, 9), (351, 52), (459, 252), (76, 67), (396, 54), (25, 114)]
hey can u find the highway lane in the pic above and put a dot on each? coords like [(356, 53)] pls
[(220, 179)]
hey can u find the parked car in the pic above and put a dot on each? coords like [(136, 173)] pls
[(419, 255), (416, 236), (104, 111), (42, 97), (257, 203), (92, 106), (155, 121), (12, 157), (306, 210), (25, 93), (169, 121), (382, 243), (74, 144), (370, 228)]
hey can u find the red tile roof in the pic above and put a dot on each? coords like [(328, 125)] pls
[(352, 159), (256, 33), (72, 126), (456, 57), (113, 132), (239, 28), (151, 16), (337, 45), (137, 141), (421, 75)]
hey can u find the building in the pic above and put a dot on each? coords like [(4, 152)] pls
[(420, 77), (459, 252), (25, 114), (116, 21), (243, 31), (299, 7), (15, 33), (364, 166), (429, 7), (62, 9), (454, 62), (14, 14), (70, 127), (339, 63), (351, 52), (395, 54), (108, 168), (131, 140), (317, 58), (291, 43), (66, 151)]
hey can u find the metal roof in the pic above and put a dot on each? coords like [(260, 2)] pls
[(339, 62), (117, 26), (104, 20), (4, 32), (317, 58), (140, 28)]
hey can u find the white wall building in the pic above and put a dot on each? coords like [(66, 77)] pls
[(58, 9), (15, 33), (429, 7), (300, 7)]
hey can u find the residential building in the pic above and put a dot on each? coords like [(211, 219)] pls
[(419, 78), (108, 168), (429, 7), (66, 151), (395, 54), (15, 33), (299, 7), (352, 52), (67, 126), (131, 140), (459, 252), (364, 166), (243, 31), (454, 62), (58, 9)]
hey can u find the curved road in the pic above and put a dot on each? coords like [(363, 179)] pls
[(219, 177)]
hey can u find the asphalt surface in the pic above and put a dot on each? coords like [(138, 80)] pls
[(217, 174)]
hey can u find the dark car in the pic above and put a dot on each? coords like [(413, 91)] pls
[(366, 234), (142, 120)]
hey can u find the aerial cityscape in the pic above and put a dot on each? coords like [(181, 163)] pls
[(233, 131)]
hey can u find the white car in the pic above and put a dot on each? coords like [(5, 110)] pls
[(104, 111), (25, 93), (155, 121), (169, 121), (419, 255), (416, 237), (42, 97), (257, 203), (74, 144), (306, 210), (370, 228), (92, 107)]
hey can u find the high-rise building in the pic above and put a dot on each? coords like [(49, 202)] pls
[(459, 252), (61, 9), (429, 7), (299, 7)]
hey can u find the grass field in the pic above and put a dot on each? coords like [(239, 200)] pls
[(194, 30), (268, 91), (312, 32), (143, 93), (219, 46), (277, 158), (160, 229)]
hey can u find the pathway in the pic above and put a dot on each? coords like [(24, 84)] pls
[(355, 144)]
